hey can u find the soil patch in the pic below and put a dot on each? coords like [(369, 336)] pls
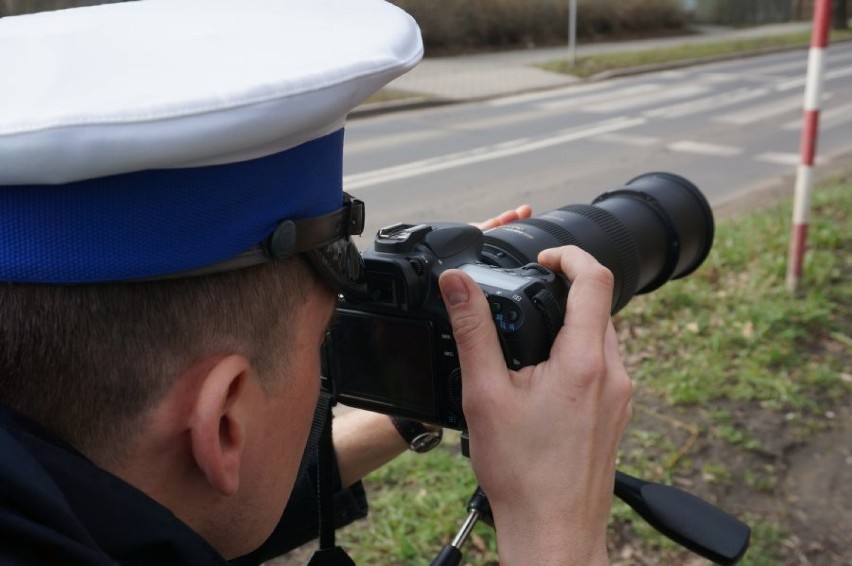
[(801, 487)]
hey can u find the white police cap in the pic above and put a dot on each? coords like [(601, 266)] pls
[(145, 138)]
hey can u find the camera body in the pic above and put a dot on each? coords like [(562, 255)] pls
[(391, 349), (394, 351)]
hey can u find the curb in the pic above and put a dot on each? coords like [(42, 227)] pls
[(653, 67), (378, 108)]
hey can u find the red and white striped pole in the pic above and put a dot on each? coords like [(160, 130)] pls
[(810, 128)]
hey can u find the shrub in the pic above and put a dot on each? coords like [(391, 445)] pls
[(453, 26)]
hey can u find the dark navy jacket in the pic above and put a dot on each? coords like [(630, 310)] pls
[(56, 506)]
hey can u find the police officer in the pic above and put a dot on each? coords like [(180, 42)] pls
[(173, 233)]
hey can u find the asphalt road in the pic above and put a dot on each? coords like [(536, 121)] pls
[(727, 126)]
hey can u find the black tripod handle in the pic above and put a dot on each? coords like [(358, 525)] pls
[(689, 521), (686, 519), (449, 556)]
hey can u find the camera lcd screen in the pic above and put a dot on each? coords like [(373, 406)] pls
[(385, 359)]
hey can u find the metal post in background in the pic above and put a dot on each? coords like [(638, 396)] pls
[(810, 128), (572, 32)]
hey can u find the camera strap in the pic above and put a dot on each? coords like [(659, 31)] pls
[(328, 553)]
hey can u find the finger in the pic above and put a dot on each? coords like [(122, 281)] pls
[(590, 299), (611, 345), (487, 225), (614, 362), (506, 217), (618, 380), (479, 350), (523, 211)]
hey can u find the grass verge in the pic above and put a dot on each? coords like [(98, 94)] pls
[(596, 64), (733, 376)]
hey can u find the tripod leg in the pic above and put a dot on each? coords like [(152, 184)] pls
[(478, 508)]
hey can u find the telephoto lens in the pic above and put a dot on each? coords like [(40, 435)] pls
[(657, 227)]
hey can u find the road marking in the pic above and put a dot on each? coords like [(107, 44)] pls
[(715, 78), (711, 102), (764, 111), (490, 122), (831, 118), (702, 148), (547, 94), (779, 158), (486, 153), (770, 71), (580, 102), (623, 104), (629, 139), (389, 140), (799, 66), (800, 81), (828, 119)]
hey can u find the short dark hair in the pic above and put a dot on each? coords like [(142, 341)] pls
[(88, 361)]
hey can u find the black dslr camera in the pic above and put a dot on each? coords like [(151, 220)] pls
[(393, 351)]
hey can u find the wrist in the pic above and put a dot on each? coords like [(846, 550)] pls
[(548, 539)]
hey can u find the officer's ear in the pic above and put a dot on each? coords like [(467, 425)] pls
[(217, 424)]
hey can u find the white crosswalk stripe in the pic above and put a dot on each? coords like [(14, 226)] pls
[(581, 102), (779, 158), (485, 153), (828, 119), (712, 102), (763, 111), (629, 139), (687, 146), (656, 97)]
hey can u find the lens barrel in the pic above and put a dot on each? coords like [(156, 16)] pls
[(657, 227)]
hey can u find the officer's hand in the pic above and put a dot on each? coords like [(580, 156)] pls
[(543, 440), (523, 211)]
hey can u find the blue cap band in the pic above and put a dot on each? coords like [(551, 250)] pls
[(151, 223)]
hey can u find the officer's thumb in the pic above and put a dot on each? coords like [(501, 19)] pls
[(473, 328)]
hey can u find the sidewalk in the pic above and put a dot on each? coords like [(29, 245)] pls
[(476, 77)]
